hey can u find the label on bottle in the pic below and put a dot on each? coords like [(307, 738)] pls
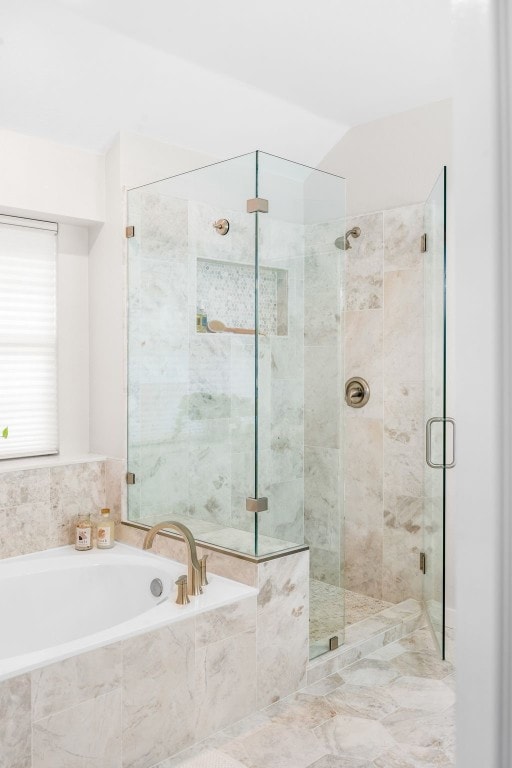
[(104, 536), (83, 538)]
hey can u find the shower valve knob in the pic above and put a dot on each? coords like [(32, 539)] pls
[(357, 392), (222, 226)]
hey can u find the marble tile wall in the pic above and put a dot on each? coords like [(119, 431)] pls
[(39, 507), (384, 343), (136, 702)]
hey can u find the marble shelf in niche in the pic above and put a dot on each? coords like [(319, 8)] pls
[(226, 292)]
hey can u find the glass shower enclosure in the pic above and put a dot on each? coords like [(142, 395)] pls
[(234, 354)]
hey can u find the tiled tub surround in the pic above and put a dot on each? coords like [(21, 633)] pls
[(62, 602), (92, 702), (39, 507), (282, 609), (138, 700)]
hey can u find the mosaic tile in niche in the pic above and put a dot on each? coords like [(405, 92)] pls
[(226, 292)]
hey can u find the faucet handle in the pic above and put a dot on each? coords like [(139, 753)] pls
[(202, 563), (182, 597)]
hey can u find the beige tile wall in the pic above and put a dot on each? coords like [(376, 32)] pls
[(384, 440), (39, 507)]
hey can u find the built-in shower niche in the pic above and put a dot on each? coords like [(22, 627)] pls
[(226, 291)]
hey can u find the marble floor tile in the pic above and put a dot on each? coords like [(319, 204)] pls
[(421, 693), (413, 757), (211, 758), (371, 715), (370, 673), (277, 746), (421, 665), (302, 709), (434, 731), (354, 737), (335, 761), (357, 701)]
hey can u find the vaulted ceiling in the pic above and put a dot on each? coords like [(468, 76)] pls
[(224, 77)]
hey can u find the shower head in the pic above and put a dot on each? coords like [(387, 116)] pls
[(343, 243)]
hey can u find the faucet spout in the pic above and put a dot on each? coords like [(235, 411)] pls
[(194, 567)]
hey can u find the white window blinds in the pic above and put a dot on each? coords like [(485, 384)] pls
[(28, 338)]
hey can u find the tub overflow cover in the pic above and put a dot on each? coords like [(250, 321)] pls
[(156, 587)]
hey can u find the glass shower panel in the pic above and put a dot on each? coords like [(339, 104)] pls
[(191, 392), (435, 407), (300, 367)]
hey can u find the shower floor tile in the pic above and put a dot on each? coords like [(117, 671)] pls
[(331, 608)]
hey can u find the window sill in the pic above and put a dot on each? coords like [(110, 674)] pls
[(46, 462)]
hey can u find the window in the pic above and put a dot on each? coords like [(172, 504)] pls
[(28, 337)]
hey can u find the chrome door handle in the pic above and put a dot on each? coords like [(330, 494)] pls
[(442, 420)]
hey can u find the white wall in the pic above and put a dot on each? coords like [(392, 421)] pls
[(483, 180), (48, 180), (73, 339), (145, 160), (394, 161), (45, 180), (131, 161)]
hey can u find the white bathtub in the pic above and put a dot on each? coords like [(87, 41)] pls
[(61, 602)]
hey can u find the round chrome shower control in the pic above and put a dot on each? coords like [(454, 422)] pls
[(357, 392), (156, 587)]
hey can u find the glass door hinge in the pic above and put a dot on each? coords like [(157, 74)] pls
[(257, 205), (130, 478), (423, 243), (334, 642), (256, 505), (129, 232), (423, 562)]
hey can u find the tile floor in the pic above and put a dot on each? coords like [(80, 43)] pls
[(394, 709), (332, 607)]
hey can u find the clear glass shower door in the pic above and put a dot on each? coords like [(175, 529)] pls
[(437, 426)]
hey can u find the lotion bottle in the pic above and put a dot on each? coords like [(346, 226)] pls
[(83, 532), (106, 530)]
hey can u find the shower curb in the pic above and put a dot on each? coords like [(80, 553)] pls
[(360, 640)]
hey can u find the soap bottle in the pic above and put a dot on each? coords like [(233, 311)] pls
[(83, 532), (201, 321), (106, 530)]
